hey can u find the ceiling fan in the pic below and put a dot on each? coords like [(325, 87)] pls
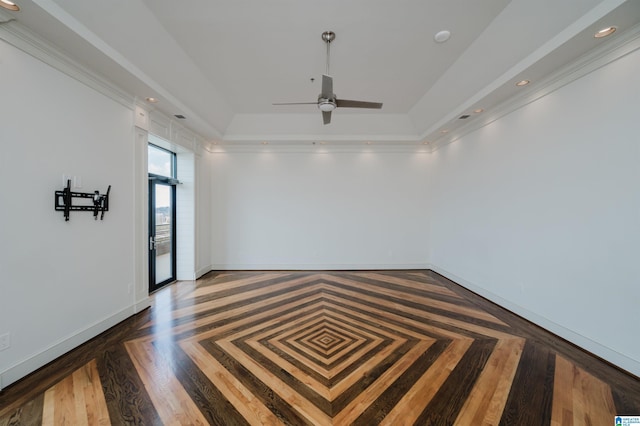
[(327, 100)]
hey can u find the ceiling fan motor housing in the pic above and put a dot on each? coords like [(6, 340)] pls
[(327, 101), (326, 104)]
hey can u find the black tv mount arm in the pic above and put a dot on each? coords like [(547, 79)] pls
[(64, 202)]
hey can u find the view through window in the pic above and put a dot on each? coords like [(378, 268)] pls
[(162, 259)]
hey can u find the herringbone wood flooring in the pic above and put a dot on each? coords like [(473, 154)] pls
[(321, 348)]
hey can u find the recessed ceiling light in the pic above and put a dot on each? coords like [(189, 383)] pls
[(149, 99), (368, 143), (265, 143), (522, 83), (605, 32), (442, 36), (478, 111), (425, 143), (9, 5), (444, 131)]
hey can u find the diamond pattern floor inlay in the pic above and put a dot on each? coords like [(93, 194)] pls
[(307, 348)]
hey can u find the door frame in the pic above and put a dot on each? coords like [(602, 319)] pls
[(171, 183)]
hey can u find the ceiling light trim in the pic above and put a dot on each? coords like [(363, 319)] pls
[(91, 79), (9, 5), (580, 25), (90, 37), (442, 36), (29, 42), (605, 32), (616, 48)]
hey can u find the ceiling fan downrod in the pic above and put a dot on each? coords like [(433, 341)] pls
[(327, 101), (328, 37)]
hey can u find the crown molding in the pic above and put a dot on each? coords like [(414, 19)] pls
[(6, 17), (27, 41), (432, 140), (32, 44), (318, 148), (591, 61)]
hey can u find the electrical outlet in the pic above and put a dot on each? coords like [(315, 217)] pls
[(5, 342)]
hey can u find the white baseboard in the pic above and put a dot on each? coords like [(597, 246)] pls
[(142, 304), (314, 266), (629, 364), (200, 272), (64, 345), (191, 276)]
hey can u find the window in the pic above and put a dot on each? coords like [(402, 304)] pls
[(161, 162), (162, 217)]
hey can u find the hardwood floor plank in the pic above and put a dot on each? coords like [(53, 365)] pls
[(61, 403), (627, 402), (256, 401), (238, 285), (87, 383), (335, 367), (580, 398), (235, 300), (167, 394), (420, 320), (241, 348), (369, 394), (226, 314), (212, 404), (29, 414), (391, 397), (48, 407), (453, 393), (485, 404), (412, 404), (306, 407), (530, 398), (126, 398), (421, 302), (563, 398), (412, 285)]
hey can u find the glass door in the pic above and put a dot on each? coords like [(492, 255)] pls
[(162, 253), (162, 217)]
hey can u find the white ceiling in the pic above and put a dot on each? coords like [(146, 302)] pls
[(222, 63)]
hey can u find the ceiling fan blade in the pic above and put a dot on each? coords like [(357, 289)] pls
[(346, 103), (326, 117), (295, 103), (327, 87)]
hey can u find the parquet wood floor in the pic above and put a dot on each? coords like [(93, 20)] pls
[(323, 348)]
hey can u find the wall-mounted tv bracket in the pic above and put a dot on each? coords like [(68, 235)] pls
[(64, 202)]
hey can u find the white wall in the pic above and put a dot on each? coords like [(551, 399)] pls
[(540, 211), (61, 282), (203, 213), (185, 216), (313, 210)]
